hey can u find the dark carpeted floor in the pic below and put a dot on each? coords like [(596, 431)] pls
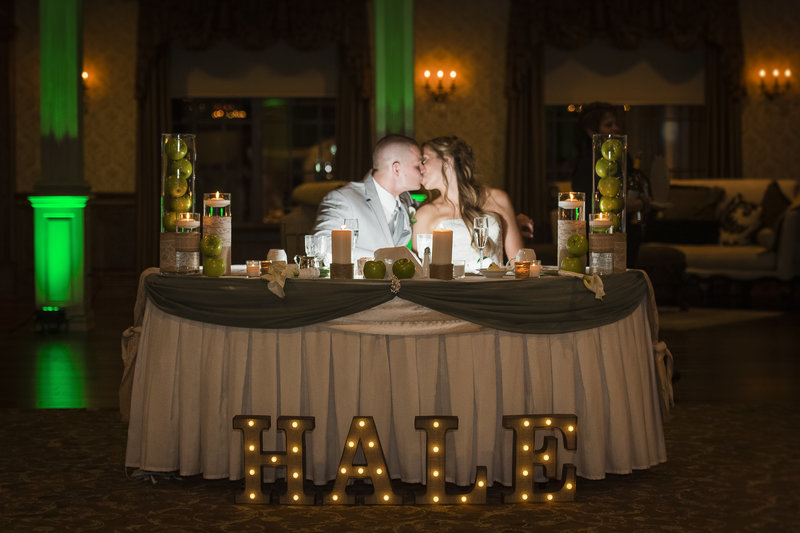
[(730, 468)]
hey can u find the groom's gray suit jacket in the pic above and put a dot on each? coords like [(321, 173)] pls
[(359, 199)]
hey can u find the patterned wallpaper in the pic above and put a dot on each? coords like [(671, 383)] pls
[(26, 94), (468, 37), (770, 139), (109, 118)]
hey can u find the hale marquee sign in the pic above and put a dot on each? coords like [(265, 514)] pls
[(364, 436)]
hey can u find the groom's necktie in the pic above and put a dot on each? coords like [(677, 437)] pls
[(396, 225)]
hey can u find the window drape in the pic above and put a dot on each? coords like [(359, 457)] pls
[(250, 25), (572, 24)]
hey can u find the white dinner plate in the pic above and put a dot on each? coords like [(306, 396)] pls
[(493, 273)]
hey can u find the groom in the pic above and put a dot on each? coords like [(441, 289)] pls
[(380, 201)]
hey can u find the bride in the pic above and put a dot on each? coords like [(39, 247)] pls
[(450, 168)]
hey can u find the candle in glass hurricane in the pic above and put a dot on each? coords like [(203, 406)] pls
[(571, 220), (217, 221)]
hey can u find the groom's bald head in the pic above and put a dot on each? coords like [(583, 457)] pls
[(397, 164)]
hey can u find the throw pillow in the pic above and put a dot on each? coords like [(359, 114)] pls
[(773, 204), (740, 219)]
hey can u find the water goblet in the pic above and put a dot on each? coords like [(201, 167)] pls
[(310, 245), (352, 225), (322, 247)]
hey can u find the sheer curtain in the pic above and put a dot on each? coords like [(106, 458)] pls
[(572, 24), (251, 25)]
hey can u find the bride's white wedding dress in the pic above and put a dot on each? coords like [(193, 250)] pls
[(462, 243)]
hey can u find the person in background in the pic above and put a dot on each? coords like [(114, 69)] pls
[(604, 118), (450, 168)]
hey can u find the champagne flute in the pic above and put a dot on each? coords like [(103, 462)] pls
[(480, 232), (352, 225)]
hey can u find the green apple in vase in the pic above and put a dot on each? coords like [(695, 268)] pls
[(181, 204), (577, 245), (210, 246), (604, 167), (170, 221), (177, 186), (610, 204), (176, 148), (609, 186), (573, 264), (213, 267), (612, 149), (181, 168)]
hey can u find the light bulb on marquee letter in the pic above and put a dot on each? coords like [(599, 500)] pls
[(363, 435), (436, 428), (294, 428), (526, 459)]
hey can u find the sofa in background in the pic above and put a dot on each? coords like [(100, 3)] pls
[(735, 229)]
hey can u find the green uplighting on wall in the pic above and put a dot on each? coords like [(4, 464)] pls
[(394, 66), (58, 249), (60, 377), (59, 23)]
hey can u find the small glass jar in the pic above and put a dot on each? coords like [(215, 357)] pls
[(253, 268)]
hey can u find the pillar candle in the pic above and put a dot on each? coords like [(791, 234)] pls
[(442, 253), (341, 239)]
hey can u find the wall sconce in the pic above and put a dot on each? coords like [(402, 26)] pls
[(776, 88), (439, 93)]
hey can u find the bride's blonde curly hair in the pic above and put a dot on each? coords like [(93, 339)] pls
[(471, 193)]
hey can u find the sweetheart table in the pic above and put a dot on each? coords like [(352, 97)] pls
[(206, 349)]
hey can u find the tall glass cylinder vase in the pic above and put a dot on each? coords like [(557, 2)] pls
[(217, 221), (609, 191), (571, 221), (178, 157)]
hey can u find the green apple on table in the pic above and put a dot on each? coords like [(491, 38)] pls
[(210, 245), (403, 268), (375, 270), (176, 148), (213, 267)]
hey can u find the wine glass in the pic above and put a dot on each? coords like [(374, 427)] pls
[(322, 247), (352, 225), (311, 247), (480, 231)]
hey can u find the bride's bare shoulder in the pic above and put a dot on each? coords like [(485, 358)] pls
[(497, 198)]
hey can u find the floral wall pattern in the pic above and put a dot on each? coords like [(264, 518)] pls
[(770, 140), (469, 37)]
